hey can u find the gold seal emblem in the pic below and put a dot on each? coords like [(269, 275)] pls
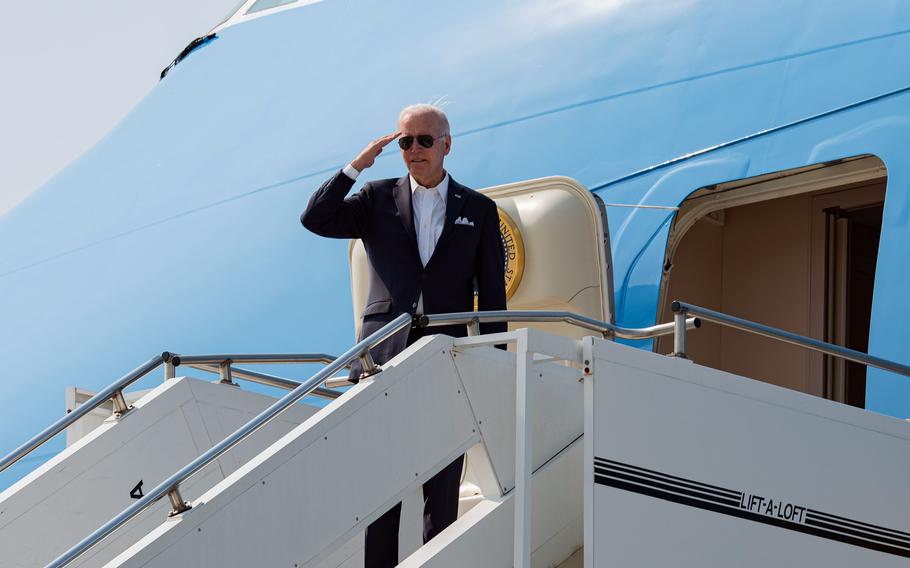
[(514, 248)]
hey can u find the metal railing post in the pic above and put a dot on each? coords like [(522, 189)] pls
[(474, 327), (679, 334), (524, 360), (178, 505), (170, 370), (120, 405), (369, 366), (224, 371)]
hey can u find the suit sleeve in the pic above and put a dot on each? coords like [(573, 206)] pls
[(490, 270), (330, 214)]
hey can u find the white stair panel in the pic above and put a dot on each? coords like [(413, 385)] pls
[(688, 465)]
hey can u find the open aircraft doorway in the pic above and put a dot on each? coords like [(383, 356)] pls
[(557, 245), (794, 249)]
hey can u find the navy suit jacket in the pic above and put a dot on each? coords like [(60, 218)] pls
[(381, 215)]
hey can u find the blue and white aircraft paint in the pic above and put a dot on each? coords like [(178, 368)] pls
[(179, 231)]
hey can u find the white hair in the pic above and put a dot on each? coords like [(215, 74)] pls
[(428, 109)]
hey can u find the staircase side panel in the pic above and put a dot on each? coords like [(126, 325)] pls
[(694, 466), (321, 484)]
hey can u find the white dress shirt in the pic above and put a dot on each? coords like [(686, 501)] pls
[(429, 216)]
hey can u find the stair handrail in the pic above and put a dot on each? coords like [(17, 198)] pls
[(262, 378), (114, 391), (225, 362), (606, 329), (682, 311)]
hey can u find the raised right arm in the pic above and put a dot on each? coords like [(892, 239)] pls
[(330, 214)]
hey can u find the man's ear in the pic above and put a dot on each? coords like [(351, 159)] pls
[(448, 144)]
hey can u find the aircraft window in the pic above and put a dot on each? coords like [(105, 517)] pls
[(261, 5)]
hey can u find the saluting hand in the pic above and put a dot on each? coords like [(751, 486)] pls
[(368, 156)]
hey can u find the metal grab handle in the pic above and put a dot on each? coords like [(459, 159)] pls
[(683, 309), (171, 485)]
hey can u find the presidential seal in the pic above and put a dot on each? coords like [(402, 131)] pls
[(514, 248)]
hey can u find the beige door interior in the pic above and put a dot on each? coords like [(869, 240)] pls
[(794, 250), (555, 236)]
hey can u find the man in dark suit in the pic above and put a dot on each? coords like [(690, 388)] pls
[(428, 239)]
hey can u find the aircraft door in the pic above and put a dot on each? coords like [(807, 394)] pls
[(557, 247)]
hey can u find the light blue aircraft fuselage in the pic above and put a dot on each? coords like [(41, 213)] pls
[(179, 231)]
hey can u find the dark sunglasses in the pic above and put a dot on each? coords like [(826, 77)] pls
[(425, 140)]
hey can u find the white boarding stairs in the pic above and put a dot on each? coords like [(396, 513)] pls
[(299, 501), (580, 447), (323, 475)]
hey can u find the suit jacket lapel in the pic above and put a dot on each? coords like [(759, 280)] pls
[(454, 204), (402, 194)]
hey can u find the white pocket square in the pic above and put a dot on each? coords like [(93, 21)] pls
[(464, 221)]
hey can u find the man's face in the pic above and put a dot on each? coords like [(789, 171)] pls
[(425, 164)]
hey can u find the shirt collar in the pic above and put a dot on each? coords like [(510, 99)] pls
[(442, 188)]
